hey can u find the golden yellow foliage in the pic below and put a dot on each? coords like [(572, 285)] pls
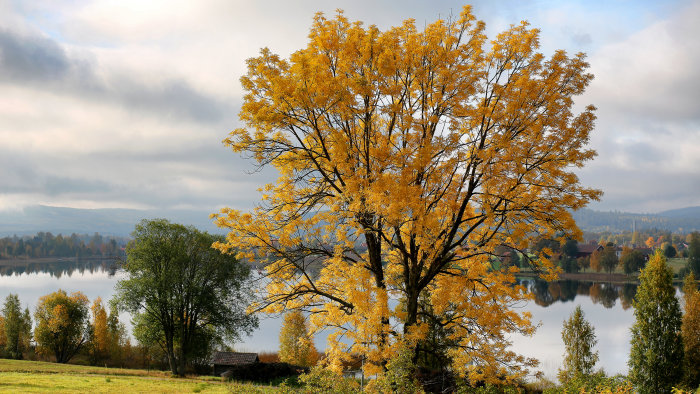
[(100, 330), (296, 345), (405, 158), (3, 338), (690, 330)]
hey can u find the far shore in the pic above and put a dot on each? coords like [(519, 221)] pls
[(43, 260), (588, 276)]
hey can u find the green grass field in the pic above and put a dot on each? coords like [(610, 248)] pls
[(42, 377)]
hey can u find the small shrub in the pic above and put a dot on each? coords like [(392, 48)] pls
[(399, 376), (323, 381), (264, 372)]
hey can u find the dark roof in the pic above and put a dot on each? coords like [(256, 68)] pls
[(234, 358), (588, 248)]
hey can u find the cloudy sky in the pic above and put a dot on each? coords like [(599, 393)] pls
[(123, 104)]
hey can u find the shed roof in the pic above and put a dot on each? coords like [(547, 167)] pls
[(588, 248), (234, 358)]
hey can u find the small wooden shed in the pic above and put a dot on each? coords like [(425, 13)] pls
[(223, 361)]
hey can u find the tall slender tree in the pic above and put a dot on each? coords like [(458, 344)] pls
[(579, 339), (100, 339), (694, 254), (690, 330), (656, 357), (296, 345), (17, 327)]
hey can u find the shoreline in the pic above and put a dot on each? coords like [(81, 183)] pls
[(43, 260)]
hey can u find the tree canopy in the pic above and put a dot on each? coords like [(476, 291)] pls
[(61, 324), (405, 157), (632, 260), (184, 294)]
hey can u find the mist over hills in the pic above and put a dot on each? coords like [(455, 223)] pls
[(675, 220), (120, 222)]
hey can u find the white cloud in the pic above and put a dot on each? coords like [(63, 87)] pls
[(131, 99)]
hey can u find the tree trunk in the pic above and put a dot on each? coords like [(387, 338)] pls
[(172, 362)]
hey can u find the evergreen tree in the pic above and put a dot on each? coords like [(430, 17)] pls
[(690, 331), (579, 339), (657, 349)]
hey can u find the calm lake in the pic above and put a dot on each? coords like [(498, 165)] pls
[(607, 308)]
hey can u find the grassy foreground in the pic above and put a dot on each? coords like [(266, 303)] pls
[(41, 377)]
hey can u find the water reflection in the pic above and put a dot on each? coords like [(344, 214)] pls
[(60, 267), (607, 307), (603, 293)]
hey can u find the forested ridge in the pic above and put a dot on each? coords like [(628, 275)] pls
[(45, 244)]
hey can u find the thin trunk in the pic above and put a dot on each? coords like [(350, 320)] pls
[(172, 362)]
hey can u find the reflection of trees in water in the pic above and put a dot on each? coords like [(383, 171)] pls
[(606, 294), (59, 268), (627, 293)]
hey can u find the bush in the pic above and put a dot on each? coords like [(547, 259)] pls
[(264, 372), (323, 381), (399, 377), (594, 383)]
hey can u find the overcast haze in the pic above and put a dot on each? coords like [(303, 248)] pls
[(123, 104)]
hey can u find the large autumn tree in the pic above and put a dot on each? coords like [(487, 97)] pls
[(405, 157)]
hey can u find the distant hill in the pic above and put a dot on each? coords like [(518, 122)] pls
[(676, 220), (118, 222), (689, 212)]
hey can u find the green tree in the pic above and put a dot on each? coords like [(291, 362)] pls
[(296, 345), (62, 325), (632, 260), (694, 253), (690, 330), (608, 258), (570, 247), (669, 251), (118, 339), (17, 327), (579, 339), (656, 357), (184, 295)]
